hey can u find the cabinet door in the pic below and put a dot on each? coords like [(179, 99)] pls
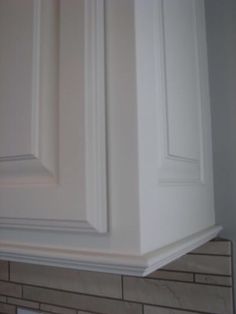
[(52, 117)]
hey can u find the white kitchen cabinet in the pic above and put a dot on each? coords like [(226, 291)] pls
[(105, 141)]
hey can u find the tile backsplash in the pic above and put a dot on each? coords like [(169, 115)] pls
[(197, 283)]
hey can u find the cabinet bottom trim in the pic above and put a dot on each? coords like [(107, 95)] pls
[(135, 265)]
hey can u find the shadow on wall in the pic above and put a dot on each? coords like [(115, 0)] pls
[(221, 30)]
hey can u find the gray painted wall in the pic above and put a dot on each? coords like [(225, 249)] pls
[(221, 33)]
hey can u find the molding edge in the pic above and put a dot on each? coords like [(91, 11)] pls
[(135, 265), (95, 115)]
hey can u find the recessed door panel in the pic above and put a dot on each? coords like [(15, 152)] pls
[(181, 109), (52, 111), (16, 77), (182, 79)]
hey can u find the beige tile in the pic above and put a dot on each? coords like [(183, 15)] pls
[(80, 302), (3, 270), (56, 309), (23, 303), (160, 310), (7, 309), (219, 265), (214, 280), (188, 296), (67, 279), (171, 275), (10, 289), (214, 248)]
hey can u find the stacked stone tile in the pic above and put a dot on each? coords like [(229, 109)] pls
[(197, 283)]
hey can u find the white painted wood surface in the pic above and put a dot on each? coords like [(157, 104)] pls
[(109, 160), (59, 136)]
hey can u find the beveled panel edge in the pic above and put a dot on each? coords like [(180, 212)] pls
[(172, 170), (69, 226), (95, 115)]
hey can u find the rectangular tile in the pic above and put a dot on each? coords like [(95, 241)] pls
[(3, 299), (86, 282), (172, 275), (23, 303), (188, 296), (10, 289), (7, 309), (160, 310), (80, 302), (214, 248), (3, 270), (56, 309), (218, 265), (214, 280)]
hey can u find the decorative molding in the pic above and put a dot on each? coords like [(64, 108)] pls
[(173, 169), (95, 114), (36, 63), (47, 225), (17, 157), (127, 264)]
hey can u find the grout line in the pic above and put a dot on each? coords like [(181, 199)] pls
[(187, 272), (173, 280), (67, 291), (176, 309), (122, 287), (208, 254), (194, 282), (196, 272), (75, 293), (9, 265), (233, 274), (55, 304)]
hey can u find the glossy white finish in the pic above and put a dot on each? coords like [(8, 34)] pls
[(132, 186)]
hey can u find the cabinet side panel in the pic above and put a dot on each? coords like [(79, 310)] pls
[(176, 191)]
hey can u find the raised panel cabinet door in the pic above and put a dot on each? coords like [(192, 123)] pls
[(104, 104), (52, 115)]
